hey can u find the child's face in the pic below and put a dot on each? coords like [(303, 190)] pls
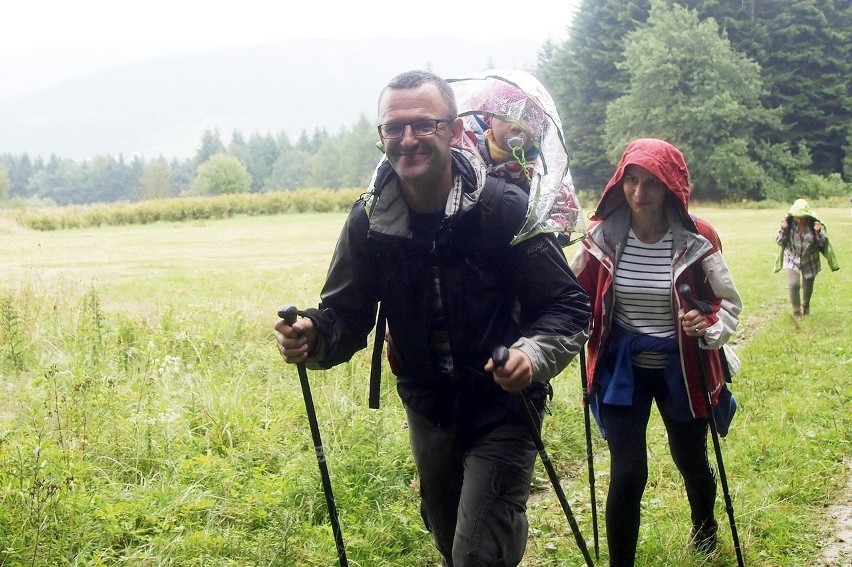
[(504, 129)]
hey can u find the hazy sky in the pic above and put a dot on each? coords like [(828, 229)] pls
[(44, 41)]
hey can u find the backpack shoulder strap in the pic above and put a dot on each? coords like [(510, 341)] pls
[(491, 202), (492, 192)]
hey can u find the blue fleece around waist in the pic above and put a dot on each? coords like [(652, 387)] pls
[(615, 382)]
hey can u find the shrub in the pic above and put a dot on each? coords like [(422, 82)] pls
[(188, 209)]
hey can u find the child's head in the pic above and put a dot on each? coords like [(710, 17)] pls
[(509, 111), (509, 134)]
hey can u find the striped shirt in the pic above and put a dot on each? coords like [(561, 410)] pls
[(643, 284)]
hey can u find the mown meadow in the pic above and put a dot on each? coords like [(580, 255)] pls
[(147, 419)]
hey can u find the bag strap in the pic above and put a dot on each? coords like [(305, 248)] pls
[(376, 364)]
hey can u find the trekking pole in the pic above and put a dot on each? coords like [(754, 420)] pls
[(589, 453), (289, 315), (500, 355), (686, 293)]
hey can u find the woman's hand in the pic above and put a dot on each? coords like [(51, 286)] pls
[(817, 226), (693, 322)]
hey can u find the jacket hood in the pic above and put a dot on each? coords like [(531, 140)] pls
[(801, 208), (660, 158)]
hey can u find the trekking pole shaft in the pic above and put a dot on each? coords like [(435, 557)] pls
[(686, 292), (554, 480), (323, 466), (289, 315), (589, 452), (500, 356)]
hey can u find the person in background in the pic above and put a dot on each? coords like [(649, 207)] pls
[(642, 244), (453, 289), (802, 237)]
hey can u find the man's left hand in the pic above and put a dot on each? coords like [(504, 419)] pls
[(515, 374)]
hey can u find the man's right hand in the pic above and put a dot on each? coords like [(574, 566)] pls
[(295, 341)]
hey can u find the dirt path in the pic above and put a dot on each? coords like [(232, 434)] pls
[(838, 553)]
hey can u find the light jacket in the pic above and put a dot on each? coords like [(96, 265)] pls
[(697, 260), (801, 208), (492, 294)]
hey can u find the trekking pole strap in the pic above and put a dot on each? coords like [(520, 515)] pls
[(376, 364)]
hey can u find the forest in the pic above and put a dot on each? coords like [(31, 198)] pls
[(755, 92)]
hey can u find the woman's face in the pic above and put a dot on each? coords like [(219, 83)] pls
[(644, 192)]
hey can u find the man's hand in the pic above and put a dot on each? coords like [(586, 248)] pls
[(515, 374), (295, 341)]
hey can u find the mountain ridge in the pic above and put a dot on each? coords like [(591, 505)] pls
[(163, 106)]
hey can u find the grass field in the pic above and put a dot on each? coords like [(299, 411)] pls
[(147, 418)]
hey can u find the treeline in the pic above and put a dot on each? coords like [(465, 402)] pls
[(755, 92), (259, 164)]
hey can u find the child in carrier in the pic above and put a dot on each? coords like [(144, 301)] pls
[(508, 133)]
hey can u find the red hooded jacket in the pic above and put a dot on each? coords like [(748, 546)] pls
[(697, 260)]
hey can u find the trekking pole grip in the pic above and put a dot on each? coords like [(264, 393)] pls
[(686, 292), (500, 355), (288, 313)]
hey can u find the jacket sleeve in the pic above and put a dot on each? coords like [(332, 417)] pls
[(554, 309), (347, 310), (726, 300)]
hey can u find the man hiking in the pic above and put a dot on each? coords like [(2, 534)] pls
[(423, 242)]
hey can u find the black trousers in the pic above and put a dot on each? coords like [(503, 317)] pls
[(626, 437)]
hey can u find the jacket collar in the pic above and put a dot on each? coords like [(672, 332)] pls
[(606, 238), (386, 206)]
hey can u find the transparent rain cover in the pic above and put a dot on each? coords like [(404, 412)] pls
[(516, 96)]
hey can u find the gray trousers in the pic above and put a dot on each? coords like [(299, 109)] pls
[(474, 502), (801, 289)]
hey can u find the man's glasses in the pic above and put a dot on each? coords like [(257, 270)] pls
[(393, 130)]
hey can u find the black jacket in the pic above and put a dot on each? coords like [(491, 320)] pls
[(492, 294)]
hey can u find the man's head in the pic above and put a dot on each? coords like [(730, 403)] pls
[(418, 123)]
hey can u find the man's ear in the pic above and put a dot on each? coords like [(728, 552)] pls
[(457, 131)]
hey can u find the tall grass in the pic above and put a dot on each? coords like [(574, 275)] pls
[(148, 420)]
